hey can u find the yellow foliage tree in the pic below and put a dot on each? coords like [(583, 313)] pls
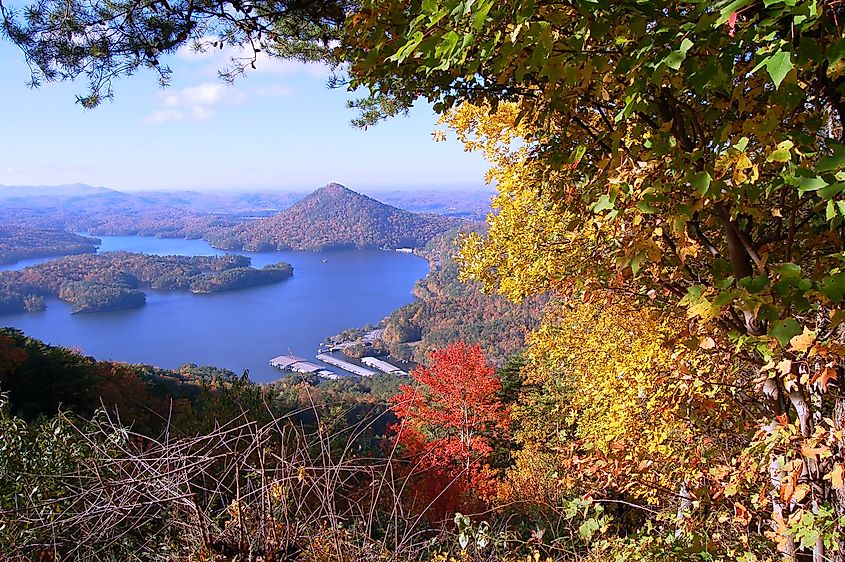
[(647, 391), (619, 410)]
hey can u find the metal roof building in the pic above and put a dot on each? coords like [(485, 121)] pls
[(383, 366), (295, 364), (345, 365)]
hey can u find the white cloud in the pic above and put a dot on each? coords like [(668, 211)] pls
[(194, 103), (204, 94), (175, 115), (200, 102)]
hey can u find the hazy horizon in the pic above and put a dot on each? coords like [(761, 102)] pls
[(377, 188)]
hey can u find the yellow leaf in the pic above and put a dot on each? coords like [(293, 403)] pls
[(800, 492), (802, 342), (836, 476)]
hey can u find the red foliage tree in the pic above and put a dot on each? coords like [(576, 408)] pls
[(448, 422)]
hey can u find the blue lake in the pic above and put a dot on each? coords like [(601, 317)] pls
[(237, 330)]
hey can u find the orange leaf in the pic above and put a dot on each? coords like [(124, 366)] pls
[(824, 377), (741, 514), (810, 452), (732, 24), (800, 492), (787, 489)]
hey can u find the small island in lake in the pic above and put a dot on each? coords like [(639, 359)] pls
[(113, 281)]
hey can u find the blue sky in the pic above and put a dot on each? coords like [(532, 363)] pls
[(278, 128)]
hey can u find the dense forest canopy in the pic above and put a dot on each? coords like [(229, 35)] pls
[(680, 158), (673, 174)]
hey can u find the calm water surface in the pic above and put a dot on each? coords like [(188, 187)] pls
[(237, 330)]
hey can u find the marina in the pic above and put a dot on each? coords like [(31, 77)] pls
[(345, 365), (383, 366), (299, 365)]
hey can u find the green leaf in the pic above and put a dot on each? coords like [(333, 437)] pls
[(837, 318), (481, 15), (831, 190), (700, 182), (789, 270), (647, 207), (603, 204), (630, 105), (727, 9), (809, 184), (778, 66), (834, 287), (781, 153), (779, 156), (674, 59), (835, 162), (754, 284), (785, 330)]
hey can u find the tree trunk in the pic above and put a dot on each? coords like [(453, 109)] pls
[(838, 494), (684, 506), (775, 400)]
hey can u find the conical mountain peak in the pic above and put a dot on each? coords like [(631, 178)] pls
[(335, 217)]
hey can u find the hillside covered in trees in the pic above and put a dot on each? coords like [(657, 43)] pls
[(448, 310), (114, 280), (334, 217), (17, 242)]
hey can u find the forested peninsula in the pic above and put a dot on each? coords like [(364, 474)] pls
[(112, 281), (20, 242)]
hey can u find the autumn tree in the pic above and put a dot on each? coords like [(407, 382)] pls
[(682, 153), (449, 420)]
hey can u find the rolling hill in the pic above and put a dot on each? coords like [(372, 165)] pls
[(334, 217)]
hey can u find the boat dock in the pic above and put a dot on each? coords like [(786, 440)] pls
[(299, 365), (382, 366), (345, 365)]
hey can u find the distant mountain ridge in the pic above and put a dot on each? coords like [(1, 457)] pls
[(335, 217), (60, 191)]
